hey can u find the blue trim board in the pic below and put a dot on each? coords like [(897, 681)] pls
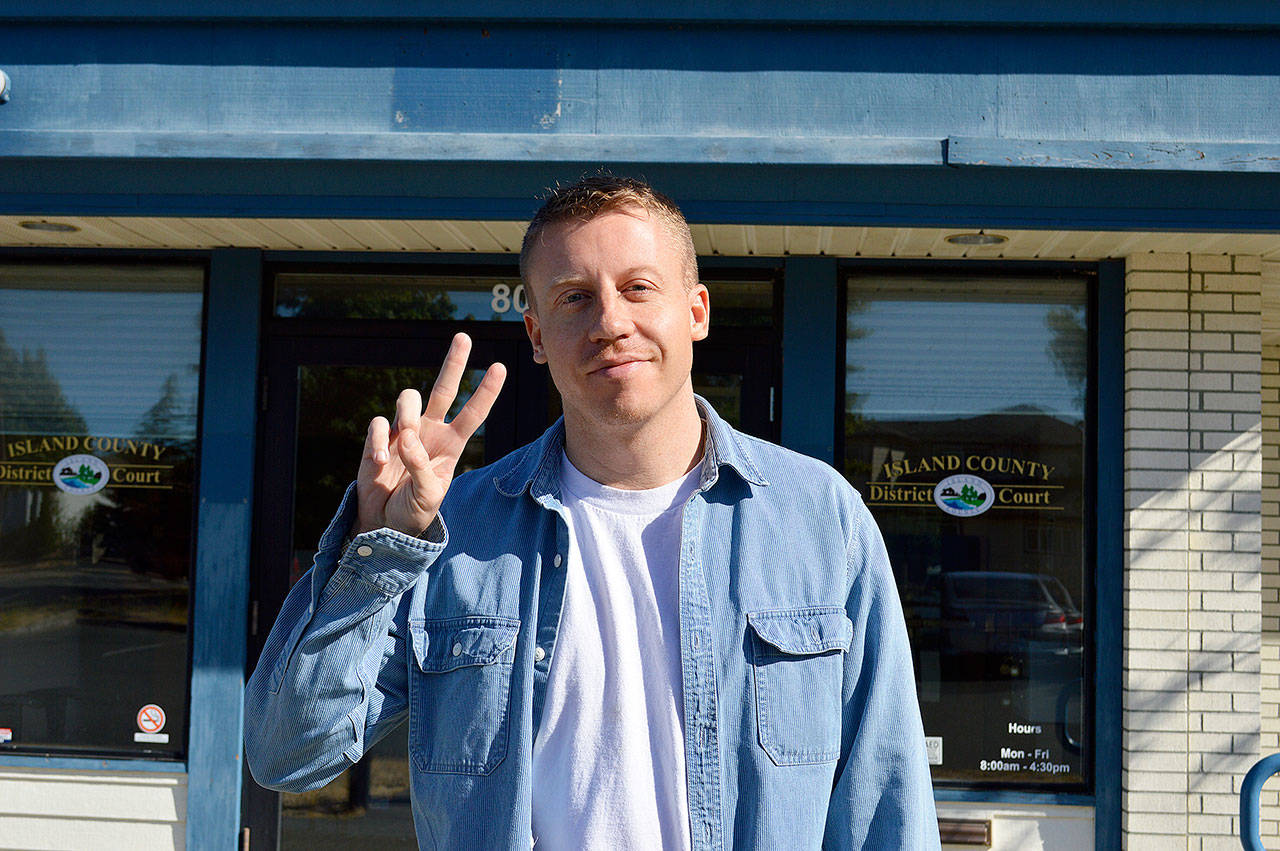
[(388, 146), (888, 196), (1109, 564), (470, 147), (71, 763), (221, 588), (809, 387), (1002, 796), (1116, 155), (1010, 12)]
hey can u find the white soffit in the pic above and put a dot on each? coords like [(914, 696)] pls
[(455, 236)]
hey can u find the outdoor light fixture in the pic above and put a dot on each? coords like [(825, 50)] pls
[(4, 87), (979, 238), (50, 227)]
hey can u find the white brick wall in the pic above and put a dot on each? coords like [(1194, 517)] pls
[(1269, 708), (1193, 541)]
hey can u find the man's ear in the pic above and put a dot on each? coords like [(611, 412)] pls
[(534, 331), (699, 312)]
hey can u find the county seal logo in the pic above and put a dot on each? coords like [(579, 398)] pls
[(964, 495)]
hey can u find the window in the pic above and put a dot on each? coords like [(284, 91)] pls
[(99, 380), (966, 432)]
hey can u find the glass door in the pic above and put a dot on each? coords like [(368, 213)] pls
[(320, 393)]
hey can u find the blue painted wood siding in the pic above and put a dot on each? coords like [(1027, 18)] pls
[(630, 80)]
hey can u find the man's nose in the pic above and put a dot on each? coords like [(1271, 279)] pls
[(612, 320)]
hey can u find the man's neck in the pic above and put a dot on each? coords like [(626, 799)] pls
[(636, 456)]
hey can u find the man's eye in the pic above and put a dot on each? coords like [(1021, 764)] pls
[(570, 298)]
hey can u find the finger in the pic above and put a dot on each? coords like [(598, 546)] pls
[(375, 441), (408, 411), (445, 390), (481, 402), (417, 463)]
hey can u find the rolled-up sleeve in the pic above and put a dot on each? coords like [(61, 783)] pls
[(331, 680)]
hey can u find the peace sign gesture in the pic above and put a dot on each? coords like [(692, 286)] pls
[(406, 469)]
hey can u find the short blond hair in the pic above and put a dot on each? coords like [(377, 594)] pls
[(604, 193)]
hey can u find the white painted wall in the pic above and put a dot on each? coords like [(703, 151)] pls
[(47, 810)]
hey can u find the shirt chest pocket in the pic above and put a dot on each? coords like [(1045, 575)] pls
[(798, 667), (459, 692)]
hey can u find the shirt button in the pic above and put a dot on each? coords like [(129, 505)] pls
[(457, 650), (364, 550), (556, 561), (539, 654)]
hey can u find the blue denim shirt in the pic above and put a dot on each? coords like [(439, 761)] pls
[(801, 723)]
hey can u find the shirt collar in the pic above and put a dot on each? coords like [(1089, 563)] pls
[(536, 467)]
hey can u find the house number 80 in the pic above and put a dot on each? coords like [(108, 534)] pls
[(504, 299)]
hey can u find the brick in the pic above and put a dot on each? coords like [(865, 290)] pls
[(1232, 561), (1174, 621), (1150, 639), (1232, 283), (1231, 722), (1170, 280), (1210, 263), (1141, 438), (1246, 382), (1208, 381), (1213, 460), (1163, 320), (1157, 261), (1174, 302), (1210, 501), (1233, 362), (1228, 521), (1229, 481), (1172, 480), (1156, 359), (1155, 660), (1202, 421), (1157, 802), (1230, 681), (1246, 322), (1209, 702), (1156, 459), (1246, 303), (1157, 379), (1211, 302), (1152, 519), (1210, 581), (1210, 743), (1162, 399), (1247, 263), (1210, 620), (1200, 341), (1247, 342), (1245, 422), (1220, 401), (1246, 542), (1209, 541), (1173, 340)]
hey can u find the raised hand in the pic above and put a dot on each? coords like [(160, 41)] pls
[(407, 468)]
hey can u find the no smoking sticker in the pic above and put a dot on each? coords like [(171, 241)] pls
[(150, 723)]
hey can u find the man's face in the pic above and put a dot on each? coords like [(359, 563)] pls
[(612, 318)]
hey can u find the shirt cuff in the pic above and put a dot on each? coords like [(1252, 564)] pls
[(387, 559)]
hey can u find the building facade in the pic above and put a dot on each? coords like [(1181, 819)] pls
[(1013, 272)]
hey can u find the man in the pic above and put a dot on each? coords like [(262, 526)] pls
[(643, 630)]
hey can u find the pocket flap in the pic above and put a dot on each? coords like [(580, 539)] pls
[(805, 631), (443, 645)]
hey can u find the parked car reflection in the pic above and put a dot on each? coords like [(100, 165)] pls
[(995, 623)]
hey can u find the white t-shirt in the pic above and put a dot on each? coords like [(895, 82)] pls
[(609, 761)]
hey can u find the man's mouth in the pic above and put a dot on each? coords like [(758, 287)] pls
[(616, 367)]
